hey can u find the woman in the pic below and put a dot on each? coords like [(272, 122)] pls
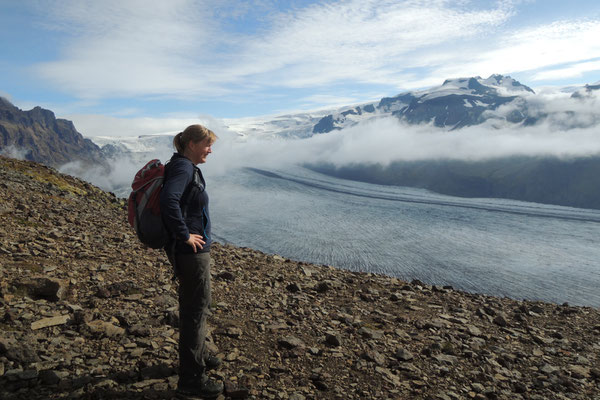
[(184, 206)]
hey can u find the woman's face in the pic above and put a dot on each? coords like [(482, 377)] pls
[(199, 151)]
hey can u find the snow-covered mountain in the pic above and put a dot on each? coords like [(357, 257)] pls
[(112, 145), (137, 150), (455, 104), (587, 90), (284, 126), (345, 118), (498, 100)]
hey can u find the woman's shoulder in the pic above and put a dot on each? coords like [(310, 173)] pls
[(179, 169), (180, 164)]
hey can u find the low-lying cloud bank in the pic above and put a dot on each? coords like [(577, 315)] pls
[(567, 128), (14, 152), (387, 140), (116, 178)]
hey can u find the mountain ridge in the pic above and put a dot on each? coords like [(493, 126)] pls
[(39, 136), (455, 104)]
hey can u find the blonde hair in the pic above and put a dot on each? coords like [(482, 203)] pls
[(193, 133)]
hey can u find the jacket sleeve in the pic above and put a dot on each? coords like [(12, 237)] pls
[(180, 174)]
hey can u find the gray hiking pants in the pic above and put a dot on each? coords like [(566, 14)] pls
[(193, 272)]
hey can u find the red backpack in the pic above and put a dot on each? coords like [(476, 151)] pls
[(144, 205)]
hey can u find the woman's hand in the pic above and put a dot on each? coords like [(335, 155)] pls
[(195, 241)]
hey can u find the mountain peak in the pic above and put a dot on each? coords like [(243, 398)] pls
[(5, 104), (586, 91), (506, 82), (456, 103)]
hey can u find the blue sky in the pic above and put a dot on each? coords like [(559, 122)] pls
[(128, 59)]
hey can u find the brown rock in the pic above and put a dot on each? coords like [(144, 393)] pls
[(236, 392), (290, 342), (105, 328), (579, 372), (370, 333), (374, 356), (233, 332), (51, 321), (473, 330), (403, 355), (333, 339), (501, 320)]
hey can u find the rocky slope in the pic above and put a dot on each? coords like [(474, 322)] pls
[(86, 312), (41, 137)]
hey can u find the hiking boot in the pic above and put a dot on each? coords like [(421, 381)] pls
[(212, 362), (203, 387)]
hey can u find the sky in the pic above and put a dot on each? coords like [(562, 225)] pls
[(126, 61)]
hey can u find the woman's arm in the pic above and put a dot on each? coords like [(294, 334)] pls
[(180, 174)]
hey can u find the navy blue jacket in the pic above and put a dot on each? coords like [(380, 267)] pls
[(184, 203)]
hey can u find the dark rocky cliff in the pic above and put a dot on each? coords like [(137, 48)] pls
[(86, 312), (39, 136)]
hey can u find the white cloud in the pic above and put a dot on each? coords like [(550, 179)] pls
[(180, 48), (128, 48), (7, 96), (99, 125), (188, 48), (325, 100), (15, 152), (530, 49), (365, 41), (572, 71), (115, 179), (387, 140)]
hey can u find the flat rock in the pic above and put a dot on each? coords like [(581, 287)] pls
[(233, 332), (473, 330), (501, 320), (549, 369), (50, 321), (403, 355), (446, 359), (234, 391), (333, 339), (105, 328), (290, 342), (579, 372), (370, 333), (51, 377)]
